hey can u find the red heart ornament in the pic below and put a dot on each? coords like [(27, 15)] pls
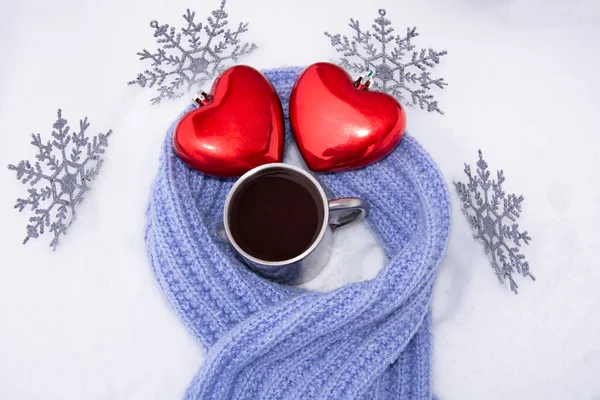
[(339, 126), (239, 127)]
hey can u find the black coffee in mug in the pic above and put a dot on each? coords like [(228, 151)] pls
[(276, 215)]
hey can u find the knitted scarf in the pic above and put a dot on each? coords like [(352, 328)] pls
[(366, 340)]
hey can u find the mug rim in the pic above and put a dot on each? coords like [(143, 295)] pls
[(249, 174)]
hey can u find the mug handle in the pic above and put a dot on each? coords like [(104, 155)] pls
[(346, 210)]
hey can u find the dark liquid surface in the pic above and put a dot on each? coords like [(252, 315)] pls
[(275, 217)]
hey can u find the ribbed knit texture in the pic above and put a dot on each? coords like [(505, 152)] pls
[(367, 340)]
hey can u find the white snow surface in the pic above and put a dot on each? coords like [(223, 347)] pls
[(88, 322)]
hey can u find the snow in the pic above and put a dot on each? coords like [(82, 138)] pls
[(87, 321)]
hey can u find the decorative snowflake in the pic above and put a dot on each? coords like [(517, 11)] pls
[(494, 225), (60, 177), (384, 53), (179, 66)]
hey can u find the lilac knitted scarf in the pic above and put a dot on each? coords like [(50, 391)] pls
[(367, 340)]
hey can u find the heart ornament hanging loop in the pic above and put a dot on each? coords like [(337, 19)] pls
[(202, 99), (364, 83)]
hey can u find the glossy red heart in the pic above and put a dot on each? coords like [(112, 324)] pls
[(240, 127), (339, 126)]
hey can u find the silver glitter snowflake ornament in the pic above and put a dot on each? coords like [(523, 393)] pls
[(400, 70), (60, 177), (492, 214), (186, 59)]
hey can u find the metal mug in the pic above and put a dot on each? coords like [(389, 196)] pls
[(305, 266)]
